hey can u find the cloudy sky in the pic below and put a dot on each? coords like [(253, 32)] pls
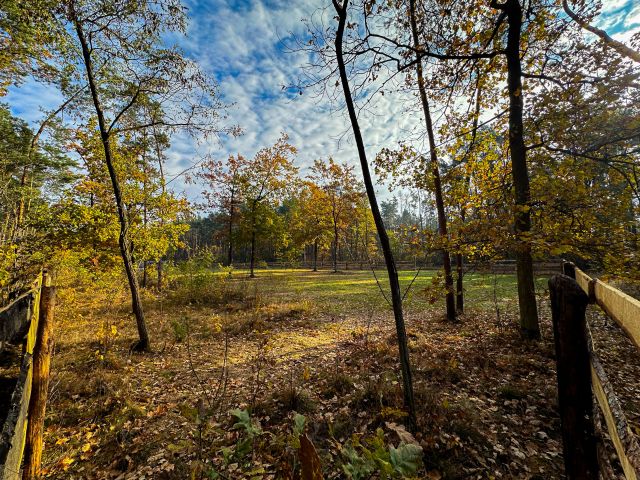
[(244, 45)]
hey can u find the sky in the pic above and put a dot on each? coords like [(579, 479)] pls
[(245, 45)]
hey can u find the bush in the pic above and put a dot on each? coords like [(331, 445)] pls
[(180, 329), (197, 282)]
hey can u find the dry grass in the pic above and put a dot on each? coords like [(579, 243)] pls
[(292, 344)]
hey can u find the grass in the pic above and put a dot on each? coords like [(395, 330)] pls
[(360, 291), (312, 342)]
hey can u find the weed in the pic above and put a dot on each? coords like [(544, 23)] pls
[(295, 400), (339, 384), (511, 392), (180, 329)]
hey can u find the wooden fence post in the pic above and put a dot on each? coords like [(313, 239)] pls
[(40, 383), (568, 307), (569, 269)]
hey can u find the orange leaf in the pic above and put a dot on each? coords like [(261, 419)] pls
[(309, 460)]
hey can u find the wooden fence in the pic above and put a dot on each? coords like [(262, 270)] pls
[(581, 376), (542, 268), (21, 324)]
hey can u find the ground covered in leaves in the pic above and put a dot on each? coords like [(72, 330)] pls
[(242, 369)]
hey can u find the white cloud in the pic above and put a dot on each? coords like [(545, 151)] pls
[(241, 46)]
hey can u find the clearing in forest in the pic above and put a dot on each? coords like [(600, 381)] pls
[(321, 345)]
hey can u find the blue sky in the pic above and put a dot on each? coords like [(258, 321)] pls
[(242, 43)]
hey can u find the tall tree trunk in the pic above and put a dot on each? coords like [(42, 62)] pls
[(459, 283), (522, 217), (159, 268), (253, 248), (143, 343), (230, 231), (463, 212), (315, 255), (22, 210), (335, 249), (145, 275), (163, 185), (394, 284), (435, 170)]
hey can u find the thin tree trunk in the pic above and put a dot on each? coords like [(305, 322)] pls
[(315, 255), (335, 249), (394, 284), (435, 170), (459, 283), (230, 230), (163, 184), (253, 248), (522, 217), (145, 276), (32, 148), (463, 212), (143, 343)]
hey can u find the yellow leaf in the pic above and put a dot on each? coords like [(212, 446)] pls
[(66, 462)]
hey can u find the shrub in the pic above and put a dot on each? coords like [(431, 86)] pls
[(196, 282), (180, 329)]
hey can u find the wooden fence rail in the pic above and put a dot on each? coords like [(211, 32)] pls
[(21, 322), (581, 376), (548, 267)]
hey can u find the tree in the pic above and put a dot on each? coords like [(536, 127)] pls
[(396, 296), (435, 167), (313, 222), (135, 84), (224, 188), (264, 179), (29, 38), (522, 209), (338, 183)]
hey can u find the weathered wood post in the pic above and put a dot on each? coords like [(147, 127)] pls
[(569, 269), (40, 383), (568, 307)]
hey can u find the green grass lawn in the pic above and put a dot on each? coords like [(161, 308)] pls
[(351, 292)]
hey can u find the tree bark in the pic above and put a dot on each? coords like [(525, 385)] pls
[(435, 170), (522, 216), (40, 383), (396, 295), (463, 212), (230, 232), (253, 248), (459, 283), (335, 249), (315, 255), (143, 343)]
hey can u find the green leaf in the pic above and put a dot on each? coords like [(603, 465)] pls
[(298, 424), (406, 459), (244, 422)]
